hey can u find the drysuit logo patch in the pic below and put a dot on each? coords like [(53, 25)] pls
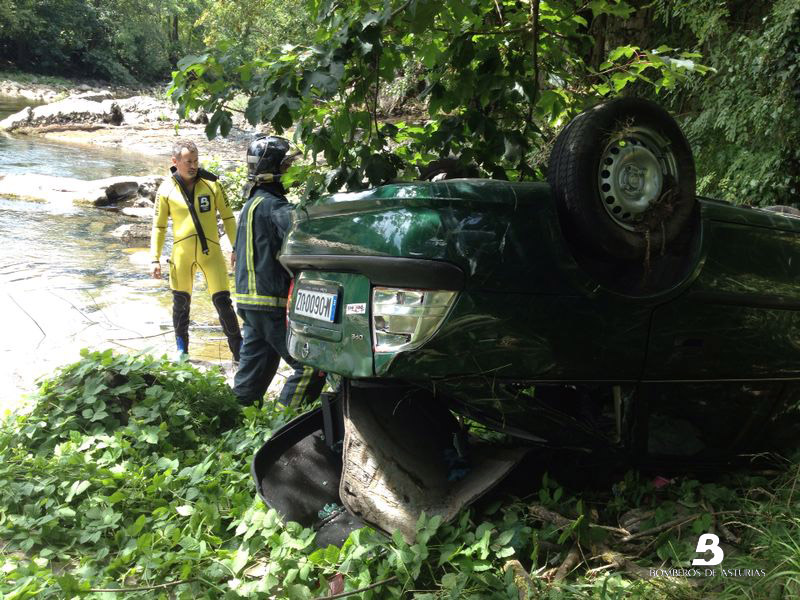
[(204, 202)]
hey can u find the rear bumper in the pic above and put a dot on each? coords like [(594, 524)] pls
[(383, 270)]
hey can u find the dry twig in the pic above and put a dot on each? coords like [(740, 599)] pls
[(522, 578), (572, 560)]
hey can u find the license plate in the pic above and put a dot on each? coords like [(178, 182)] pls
[(316, 305)]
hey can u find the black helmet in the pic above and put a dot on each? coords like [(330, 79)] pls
[(265, 155)]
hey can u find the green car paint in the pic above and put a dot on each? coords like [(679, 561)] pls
[(721, 315)]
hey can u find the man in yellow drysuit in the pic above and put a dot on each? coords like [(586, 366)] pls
[(193, 197)]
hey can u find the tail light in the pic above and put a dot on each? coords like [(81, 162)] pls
[(403, 319), (289, 301)]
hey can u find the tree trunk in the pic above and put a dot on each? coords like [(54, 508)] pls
[(599, 49)]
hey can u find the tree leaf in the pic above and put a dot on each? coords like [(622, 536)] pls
[(77, 488), (192, 59), (240, 559)]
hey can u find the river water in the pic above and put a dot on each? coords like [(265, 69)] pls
[(66, 283)]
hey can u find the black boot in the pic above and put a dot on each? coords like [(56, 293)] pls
[(181, 302), (230, 324)]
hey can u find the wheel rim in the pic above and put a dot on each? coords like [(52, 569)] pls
[(633, 169)]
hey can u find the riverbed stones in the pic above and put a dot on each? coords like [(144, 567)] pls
[(65, 112), (148, 189), (132, 231), (143, 202), (145, 109), (147, 123), (93, 95), (100, 192), (18, 119), (116, 191), (33, 92), (139, 212)]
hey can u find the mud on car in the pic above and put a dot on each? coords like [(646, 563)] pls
[(609, 309)]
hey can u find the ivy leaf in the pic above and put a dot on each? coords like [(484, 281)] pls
[(225, 124), (192, 59), (620, 80), (321, 80), (69, 585), (137, 526), (213, 124), (254, 110), (620, 51), (504, 537), (240, 560), (150, 435), (77, 488), (185, 510), (615, 8), (273, 107)]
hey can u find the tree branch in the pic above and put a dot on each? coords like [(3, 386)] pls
[(570, 562), (358, 591), (535, 26), (160, 586)]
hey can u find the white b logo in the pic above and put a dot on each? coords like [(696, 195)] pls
[(708, 541)]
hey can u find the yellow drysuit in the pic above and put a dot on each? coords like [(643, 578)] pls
[(187, 254)]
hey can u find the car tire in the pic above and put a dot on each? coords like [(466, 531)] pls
[(623, 178)]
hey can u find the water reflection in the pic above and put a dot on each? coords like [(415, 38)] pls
[(66, 284)]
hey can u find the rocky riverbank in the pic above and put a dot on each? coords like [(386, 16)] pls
[(117, 118)]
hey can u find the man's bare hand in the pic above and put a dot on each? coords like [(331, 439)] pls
[(233, 260), (156, 271)]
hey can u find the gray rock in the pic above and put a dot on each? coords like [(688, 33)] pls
[(69, 111), (132, 231), (198, 117), (138, 212), (148, 189), (144, 109), (93, 96), (100, 192), (18, 119), (141, 202), (117, 191)]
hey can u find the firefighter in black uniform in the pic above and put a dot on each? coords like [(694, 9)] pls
[(262, 284)]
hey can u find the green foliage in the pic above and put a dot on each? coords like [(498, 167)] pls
[(232, 180), (744, 120), (132, 472), (254, 26), (496, 79), (117, 40)]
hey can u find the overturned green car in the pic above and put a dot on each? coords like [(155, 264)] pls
[(609, 309)]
